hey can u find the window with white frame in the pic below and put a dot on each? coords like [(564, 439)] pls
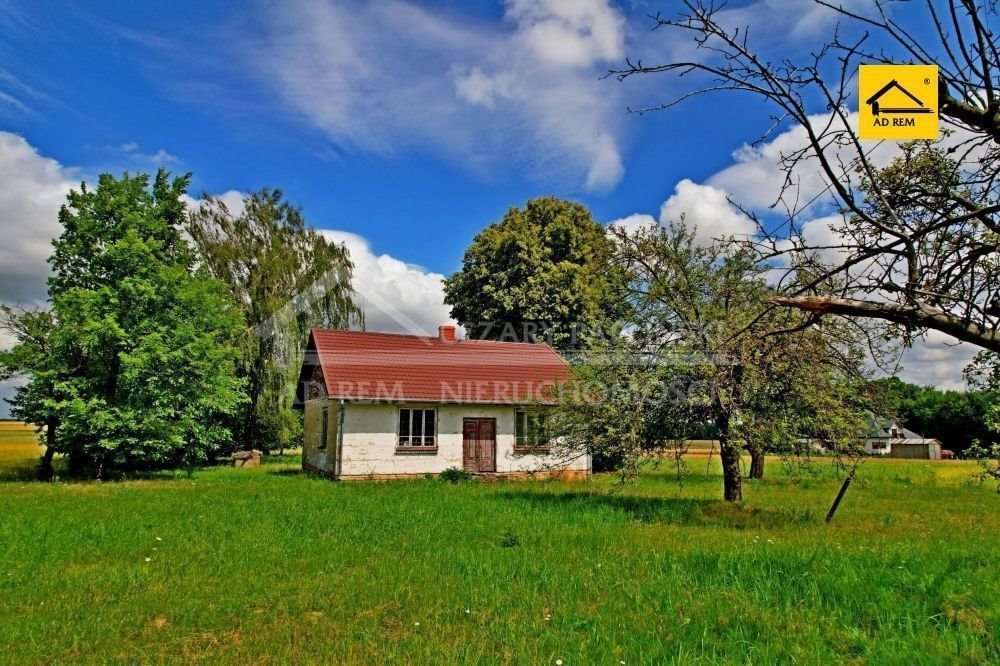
[(529, 429), (417, 428)]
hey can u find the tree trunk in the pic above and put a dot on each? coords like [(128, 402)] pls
[(731, 476), (45, 471), (756, 464)]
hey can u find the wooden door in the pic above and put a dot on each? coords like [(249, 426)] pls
[(470, 439), (479, 445), (487, 445)]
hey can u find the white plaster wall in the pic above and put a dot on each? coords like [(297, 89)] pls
[(312, 455), (370, 441), (871, 450)]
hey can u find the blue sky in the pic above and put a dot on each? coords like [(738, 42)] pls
[(403, 128)]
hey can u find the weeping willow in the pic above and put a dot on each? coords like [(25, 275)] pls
[(288, 278)]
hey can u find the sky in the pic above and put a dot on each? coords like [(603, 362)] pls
[(401, 128)]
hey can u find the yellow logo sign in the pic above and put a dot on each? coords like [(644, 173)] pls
[(898, 102)]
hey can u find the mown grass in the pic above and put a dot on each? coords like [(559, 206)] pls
[(273, 566)]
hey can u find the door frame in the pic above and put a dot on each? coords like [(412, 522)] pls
[(478, 453)]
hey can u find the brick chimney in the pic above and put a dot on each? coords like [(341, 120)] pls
[(446, 333)]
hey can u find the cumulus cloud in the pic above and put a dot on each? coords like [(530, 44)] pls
[(32, 188), (385, 77), (707, 210), (757, 181), (395, 296), (703, 208)]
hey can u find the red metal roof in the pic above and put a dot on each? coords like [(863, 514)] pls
[(393, 367)]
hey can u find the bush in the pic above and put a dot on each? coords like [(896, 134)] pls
[(455, 475)]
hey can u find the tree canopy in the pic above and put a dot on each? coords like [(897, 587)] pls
[(286, 278), (134, 364), (542, 272), (703, 345)]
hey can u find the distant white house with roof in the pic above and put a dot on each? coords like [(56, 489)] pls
[(886, 437), (386, 405)]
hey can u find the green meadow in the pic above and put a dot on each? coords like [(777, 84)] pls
[(270, 565)]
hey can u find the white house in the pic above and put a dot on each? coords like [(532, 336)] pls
[(886, 437), (386, 405)]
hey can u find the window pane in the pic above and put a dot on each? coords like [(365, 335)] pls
[(416, 425), (519, 427), (404, 427), (429, 427)]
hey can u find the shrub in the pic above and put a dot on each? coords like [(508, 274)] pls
[(455, 475)]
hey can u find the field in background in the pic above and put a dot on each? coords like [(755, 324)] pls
[(270, 565), (19, 450)]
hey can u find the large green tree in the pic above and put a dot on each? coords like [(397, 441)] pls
[(133, 367), (543, 272), (286, 278)]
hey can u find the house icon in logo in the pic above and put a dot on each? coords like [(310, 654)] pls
[(873, 101), (904, 109)]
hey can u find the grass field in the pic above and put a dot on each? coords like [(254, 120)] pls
[(273, 566)]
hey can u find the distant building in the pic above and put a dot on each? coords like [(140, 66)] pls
[(886, 437)]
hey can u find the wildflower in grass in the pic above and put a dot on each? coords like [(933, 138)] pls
[(558, 662), (149, 559), (159, 539)]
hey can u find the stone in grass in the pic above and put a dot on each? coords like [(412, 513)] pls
[(246, 458)]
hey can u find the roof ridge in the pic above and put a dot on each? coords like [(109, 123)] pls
[(434, 337)]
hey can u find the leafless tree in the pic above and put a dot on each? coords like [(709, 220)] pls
[(917, 240)]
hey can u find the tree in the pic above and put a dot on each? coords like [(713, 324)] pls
[(704, 345), (542, 272), (286, 278), (133, 366), (926, 229), (33, 356)]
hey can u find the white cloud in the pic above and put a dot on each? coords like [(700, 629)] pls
[(477, 88), (634, 222), (703, 208), (756, 178), (232, 199), (576, 33), (32, 188), (395, 296), (385, 77), (937, 360), (160, 158), (707, 210)]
